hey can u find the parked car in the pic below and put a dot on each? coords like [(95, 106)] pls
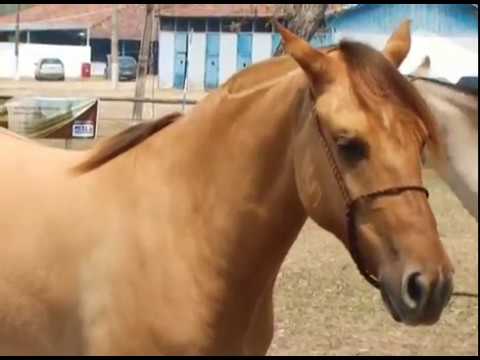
[(127, 68), (49, 69)]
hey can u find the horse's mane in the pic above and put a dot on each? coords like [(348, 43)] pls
[(123, 141), (374, 79)]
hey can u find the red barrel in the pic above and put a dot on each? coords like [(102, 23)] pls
[(86, 70)]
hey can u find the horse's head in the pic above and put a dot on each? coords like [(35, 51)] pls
[(364, 135), (423, 70)]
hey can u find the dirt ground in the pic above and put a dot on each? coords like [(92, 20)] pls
[(322, 304)]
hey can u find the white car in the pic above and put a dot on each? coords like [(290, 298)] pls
[(49, 69)]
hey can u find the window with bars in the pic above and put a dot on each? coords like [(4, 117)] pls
[(263, 25), (227, 25), (213, 25), (167, 23)]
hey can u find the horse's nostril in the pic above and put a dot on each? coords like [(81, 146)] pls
[(414, 290), (414, 287)]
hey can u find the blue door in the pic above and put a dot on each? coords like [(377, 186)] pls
[(180, 59), (211, 60), (244, 51), (275, 42)]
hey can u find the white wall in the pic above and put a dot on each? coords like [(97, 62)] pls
[(196, 61), (450, 57), (261, 46), (166, 54), (7, 60), (98, 68), (228, 56), (71, 56)]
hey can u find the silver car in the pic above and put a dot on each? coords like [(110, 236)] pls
[(49, 69)]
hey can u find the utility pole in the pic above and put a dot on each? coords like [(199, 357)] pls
[(151, 63), (114, 52), (17, 41), (187, 67), (143, 63)]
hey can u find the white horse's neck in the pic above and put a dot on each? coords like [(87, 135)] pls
[(457, 118)]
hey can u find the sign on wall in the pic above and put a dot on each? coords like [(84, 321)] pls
[(50, 118)]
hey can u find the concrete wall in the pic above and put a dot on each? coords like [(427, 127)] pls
[(98, 68), (71, 56)]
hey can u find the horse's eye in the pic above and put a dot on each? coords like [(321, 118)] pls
[(352, 149)]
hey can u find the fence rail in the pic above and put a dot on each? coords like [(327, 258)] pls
[(149, 100), (133, 99)]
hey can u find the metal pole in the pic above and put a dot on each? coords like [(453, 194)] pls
[(187, 63), (88, 37), (114, 52), (17, 40), (151, 62)]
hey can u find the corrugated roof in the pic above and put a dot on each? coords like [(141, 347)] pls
[(131, 21), (97, 17), (231, 10), (215, 10), (59, 14)]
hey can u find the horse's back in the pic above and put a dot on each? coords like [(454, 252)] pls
[(35, 179), (41, 213), (23, 153)]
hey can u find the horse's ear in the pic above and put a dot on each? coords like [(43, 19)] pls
[(315, 64), (398, 45), (423, 69)]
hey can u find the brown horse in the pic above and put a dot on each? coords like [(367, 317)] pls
[(170, 242)]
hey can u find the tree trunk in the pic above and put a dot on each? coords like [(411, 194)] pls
[(142, 65), (305, 20)]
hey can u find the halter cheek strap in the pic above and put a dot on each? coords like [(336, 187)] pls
[(351, 204)]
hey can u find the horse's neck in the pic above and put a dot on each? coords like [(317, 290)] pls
[(232, 161), (457, 119)]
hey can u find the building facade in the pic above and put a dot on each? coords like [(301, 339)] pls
[(74, 33), (447, 33), (216, 40)]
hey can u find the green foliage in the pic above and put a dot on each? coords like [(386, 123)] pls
[(8, 9)]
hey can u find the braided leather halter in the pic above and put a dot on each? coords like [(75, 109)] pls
[(351, 204)]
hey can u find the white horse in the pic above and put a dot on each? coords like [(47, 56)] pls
[(455, 109)]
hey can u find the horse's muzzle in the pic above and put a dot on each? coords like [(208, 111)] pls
[(419, 298)]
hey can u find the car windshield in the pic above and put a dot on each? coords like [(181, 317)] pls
[(52, 61), (127, 61)]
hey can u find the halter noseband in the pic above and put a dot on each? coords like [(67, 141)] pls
[(351, 205)]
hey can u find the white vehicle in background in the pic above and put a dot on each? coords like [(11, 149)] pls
[(49, 69)]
